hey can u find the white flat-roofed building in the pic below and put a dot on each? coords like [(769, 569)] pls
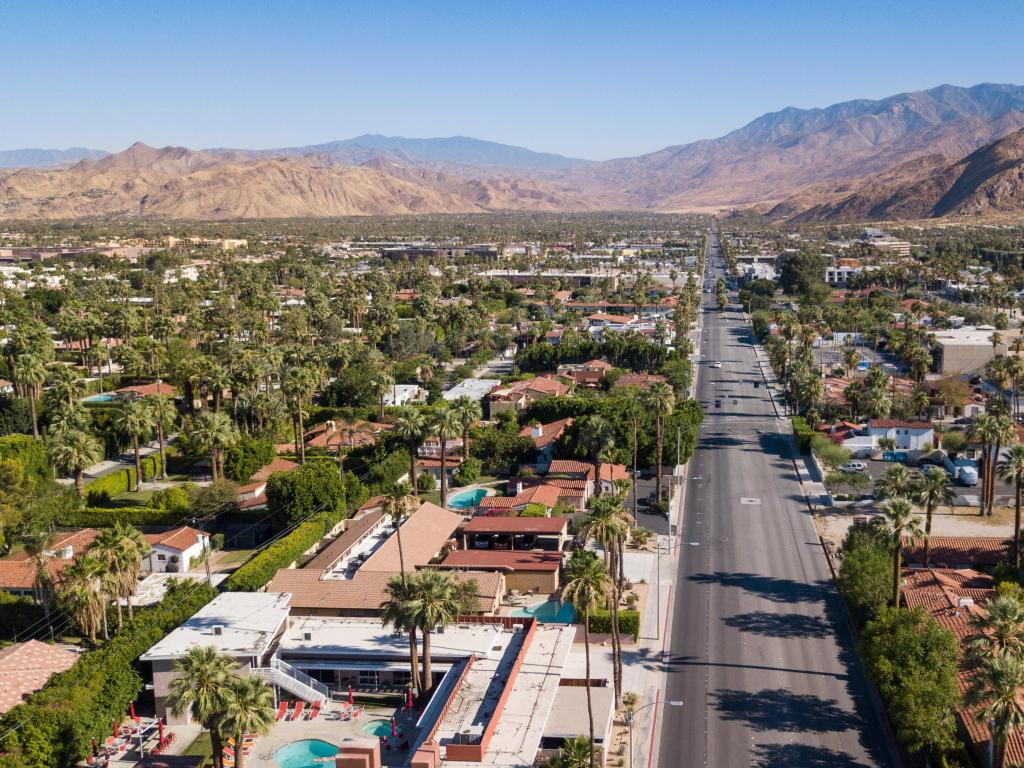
[(474, 389), (244, 625)]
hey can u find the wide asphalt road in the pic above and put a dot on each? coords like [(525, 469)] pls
[(760, 653)]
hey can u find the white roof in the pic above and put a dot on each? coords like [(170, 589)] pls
[(475, 389), (236, 623), (368, 639)]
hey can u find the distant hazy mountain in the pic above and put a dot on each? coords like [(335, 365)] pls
[(453, 151), (988, 181), (47, 158), (778, 153)]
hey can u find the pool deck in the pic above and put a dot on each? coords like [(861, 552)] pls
[(331, 730)]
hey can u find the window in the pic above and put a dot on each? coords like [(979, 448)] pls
[(399, 677), (161, 557), (368, 678)]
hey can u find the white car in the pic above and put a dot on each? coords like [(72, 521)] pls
[(716, 364), (854, 466)]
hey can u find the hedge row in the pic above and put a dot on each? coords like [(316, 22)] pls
[(122, 481), (629, 622), (53, 727), (105, 517), (255, 573), (18, 614), (31, 453), (803, 433)]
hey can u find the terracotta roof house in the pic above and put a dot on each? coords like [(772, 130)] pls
[(543, 494), (18, 572), (174, 550), (258, 482), (333, 435), (25, 668), (424, 534), (960, 551), (525, 571), (519, 395), (544, 437), (145, 390)]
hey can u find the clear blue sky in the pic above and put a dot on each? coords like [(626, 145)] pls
[(590, 79)]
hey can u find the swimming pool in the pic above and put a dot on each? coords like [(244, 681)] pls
[(101, 398), (467, 499), (550, 612), (377, 728), (303, 754)]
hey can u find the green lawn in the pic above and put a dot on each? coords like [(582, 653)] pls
[(234, 557), (201, 747)]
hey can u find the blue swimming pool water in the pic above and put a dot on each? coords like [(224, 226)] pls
[(301, 754), (467, 499), (550, 612), (377, 728), (103, 398)]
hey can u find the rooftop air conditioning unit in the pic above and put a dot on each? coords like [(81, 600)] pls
[(307, 636), (964, 602), (218, 630)]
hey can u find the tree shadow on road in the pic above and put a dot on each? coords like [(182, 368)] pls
[(779, 624), (802, 755), (768, 587), (782, 710)]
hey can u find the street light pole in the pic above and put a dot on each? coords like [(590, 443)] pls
[(631, 716)]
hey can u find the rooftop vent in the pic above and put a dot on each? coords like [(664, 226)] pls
[(307, 636), (964, 602), (218, 630)]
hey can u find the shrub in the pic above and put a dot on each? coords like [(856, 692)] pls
[(254, 574), (105, 517), (219, 497), (246, 457), (17, 614), (803, 433), (31, 453), (103, 489), (52, 728), (534, 510), (425, 482), (176, 499), (468, 472), (629, 622), (865, 575), (217, 541), (297, 494)]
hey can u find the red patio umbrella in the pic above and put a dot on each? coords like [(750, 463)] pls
[(394, 726), (408, 698), (113, 724), (131, 709), (160, 729), (351, 699)]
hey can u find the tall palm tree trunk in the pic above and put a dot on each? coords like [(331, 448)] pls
[(138, 463), (1016, 523), (163, 450), (414, 661), (35, 417), (586, 653), (657, 468), (929, 511), (428, 681), (444, 473)]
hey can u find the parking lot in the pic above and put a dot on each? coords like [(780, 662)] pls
[(966, 495)]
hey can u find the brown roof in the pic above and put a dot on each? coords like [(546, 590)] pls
[(363, 592), (549, 432), (79, 540), (25, 668), (900, 423), (517, 525), (156, 388), (571, 467), (960, 551), (640, 380), (277, 465), (506, 560), (18, 572), (543, 494), (357, 528), (424, 534), (178, 538), (612, 472)]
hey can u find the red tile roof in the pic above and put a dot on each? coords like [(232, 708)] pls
[(960, 551), (571, 467), (178, 538), (25, 668), (277, 465), (155, 388), (549, 432), (640, 380), (424, 534), (503, 560), (899, 423), (517, 525)]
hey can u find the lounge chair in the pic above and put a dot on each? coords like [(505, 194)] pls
[(297, 712), (282, 710), (314, 712)]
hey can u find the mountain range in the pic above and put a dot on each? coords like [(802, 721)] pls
[(947, 151)]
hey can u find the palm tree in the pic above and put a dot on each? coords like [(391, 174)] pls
[(1000, 630), (995, 689), (576, 752), (1004, 433), (382, 381), (216, 433), (74, 451), (896, 483), (81, 593), (29, 375), (929, 490), (134, 421), (468, 412), (397, 505), (396, 611), (586, 589), (661, 401), (164, 415), (435, 602), (66, 386), (1011, 469), (121, 549), (248, 709), (903, 525), (596, 435), (199, 687), (409, 428), (446, 426), (297, 384)]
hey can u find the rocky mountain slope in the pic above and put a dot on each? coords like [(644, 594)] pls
[(174, 182), (988, 181)]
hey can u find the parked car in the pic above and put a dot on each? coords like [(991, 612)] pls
[(854, 466), (716, 364)]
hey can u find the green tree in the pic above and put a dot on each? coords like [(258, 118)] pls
[(215, 433), (597, 437), (915, 664), (83, 594), (1000, 630), (121, 549), (410, 427), (396, 611), (29, 375), (930, 489), (200, 687), (660, 400), (468, 413), (896, 483), (296, 495), (74, 452), (164, 416), (134, 420), (1011, 470), (903, 525), (435, 601), (995, 691), (446, 425), (248, 709)]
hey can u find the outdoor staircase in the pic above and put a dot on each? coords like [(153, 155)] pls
[(297, 683)]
